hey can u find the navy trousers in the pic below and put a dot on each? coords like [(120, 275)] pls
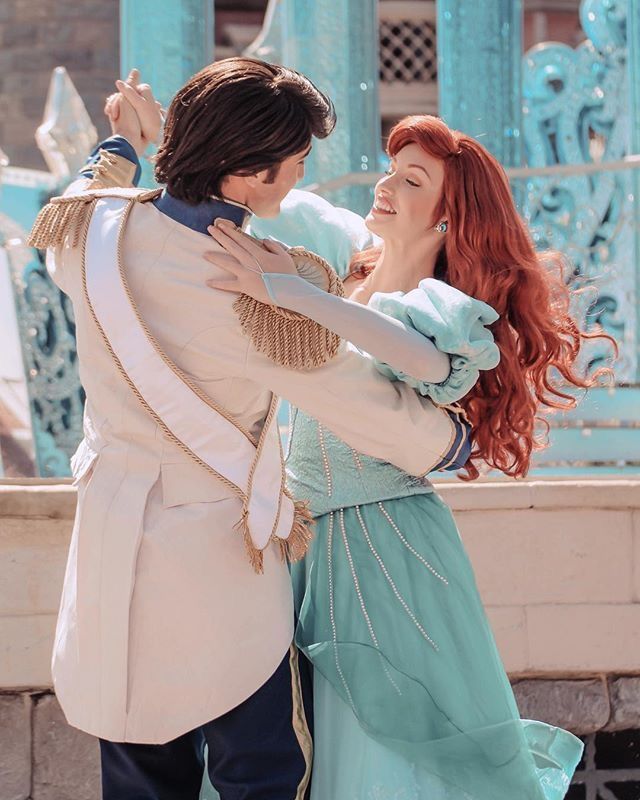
[(260, 750)]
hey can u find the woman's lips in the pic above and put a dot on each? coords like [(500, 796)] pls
[(383, 209)]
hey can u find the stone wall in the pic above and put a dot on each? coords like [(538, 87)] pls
[(42, 758), (558, 568), (38, 35), (83, 36), (557, 564)]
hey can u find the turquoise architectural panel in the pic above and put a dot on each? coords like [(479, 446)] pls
[(633, 56), (336, 44), (479, 72), (577, 112), (168, 42)]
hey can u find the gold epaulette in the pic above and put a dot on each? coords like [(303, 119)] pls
[(67, 217), (111, 171), (62, 217), (286, 337)]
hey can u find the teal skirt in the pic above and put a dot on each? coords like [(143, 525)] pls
[(412, 701)]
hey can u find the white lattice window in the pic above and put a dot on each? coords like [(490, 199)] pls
[(408, 51), (408, 58)]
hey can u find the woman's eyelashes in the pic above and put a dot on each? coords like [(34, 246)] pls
[(407, 180)]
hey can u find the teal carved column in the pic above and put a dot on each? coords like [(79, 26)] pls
[(336, 45), (633, 44), (479, 72), (167, 41)]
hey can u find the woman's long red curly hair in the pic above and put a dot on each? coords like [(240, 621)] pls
[(489, 255)]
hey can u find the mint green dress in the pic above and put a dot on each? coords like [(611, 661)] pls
[(411, 699)]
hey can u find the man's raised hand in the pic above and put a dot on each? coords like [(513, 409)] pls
[(148, 109)]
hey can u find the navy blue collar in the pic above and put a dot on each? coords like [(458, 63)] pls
[(199, 216)]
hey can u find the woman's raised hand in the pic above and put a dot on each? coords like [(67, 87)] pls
[(246, 260)]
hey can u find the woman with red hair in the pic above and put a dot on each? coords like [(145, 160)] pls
[(411, 698)]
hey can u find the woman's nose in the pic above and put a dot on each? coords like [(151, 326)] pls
[(386, 182)]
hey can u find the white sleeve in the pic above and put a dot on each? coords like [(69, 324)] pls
[(386, 339)]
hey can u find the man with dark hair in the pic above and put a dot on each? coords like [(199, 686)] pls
[(239, 117), (176, 621)]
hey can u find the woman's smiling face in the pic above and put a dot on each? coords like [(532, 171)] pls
[(407, 197)]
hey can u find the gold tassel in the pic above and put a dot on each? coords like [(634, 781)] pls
[(62, 217), (290, 339), (295, 547), (256, 557)]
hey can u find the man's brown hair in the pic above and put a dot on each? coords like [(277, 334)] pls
[(237, 117)]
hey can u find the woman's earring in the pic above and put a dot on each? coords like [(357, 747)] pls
[(442, 227)]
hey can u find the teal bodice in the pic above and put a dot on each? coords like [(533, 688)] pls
[(324, 470)]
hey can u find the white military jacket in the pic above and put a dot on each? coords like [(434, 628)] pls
[(163, 623)]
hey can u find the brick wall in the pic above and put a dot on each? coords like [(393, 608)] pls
[(35, 37)]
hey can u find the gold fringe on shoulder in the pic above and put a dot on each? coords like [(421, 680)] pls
[(286, 337), (62, 217), (68, 216)]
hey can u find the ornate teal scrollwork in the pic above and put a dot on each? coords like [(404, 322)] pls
[(576, 112), (47, 333)]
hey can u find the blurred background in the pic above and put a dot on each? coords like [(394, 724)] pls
[(84, 36)]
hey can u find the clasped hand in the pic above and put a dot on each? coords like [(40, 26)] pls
[(134, 113), (246, 260)]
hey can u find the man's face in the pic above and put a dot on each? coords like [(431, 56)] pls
[(264, 198)]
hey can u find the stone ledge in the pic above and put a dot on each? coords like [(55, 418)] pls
[(484, 495), (38, 500), (26, 656), (55, 498), (581, 707), (600, 638)]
